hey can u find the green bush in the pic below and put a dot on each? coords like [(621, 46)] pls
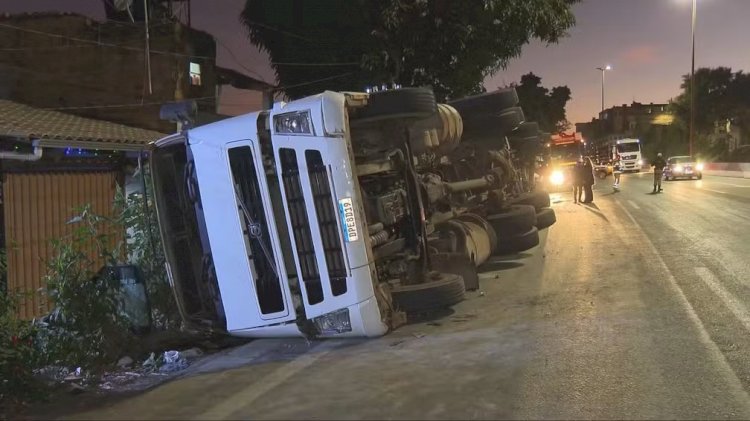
[(18, 356), (86, 327)]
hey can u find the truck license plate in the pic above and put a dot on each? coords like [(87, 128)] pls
[(348, 221)]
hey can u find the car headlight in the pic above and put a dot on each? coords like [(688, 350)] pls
[(557, 177), (699, 167), (678, 168)]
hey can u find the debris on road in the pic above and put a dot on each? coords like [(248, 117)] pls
[(125, 362)]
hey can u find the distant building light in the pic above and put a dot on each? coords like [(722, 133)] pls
[(195, 74)]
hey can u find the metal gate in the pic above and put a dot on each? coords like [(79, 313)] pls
[(37, 209)]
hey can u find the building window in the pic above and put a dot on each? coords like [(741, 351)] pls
[(195, 74)]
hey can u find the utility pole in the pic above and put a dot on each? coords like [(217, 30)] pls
[(692, 86), (148, 49), (603, 69)]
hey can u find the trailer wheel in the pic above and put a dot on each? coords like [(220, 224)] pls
[(492, 126), (518, 243), (527, 129), (399, 104), (516, 219), (439, 290), (492, 101), (538, 199), (545, 218)]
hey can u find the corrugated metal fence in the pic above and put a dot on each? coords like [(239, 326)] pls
[(37, 209)]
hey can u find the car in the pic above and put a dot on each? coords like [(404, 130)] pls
[(603, 167), (683, 167)]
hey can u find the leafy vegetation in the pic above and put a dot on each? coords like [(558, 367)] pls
[(350, 44), (545, 106)]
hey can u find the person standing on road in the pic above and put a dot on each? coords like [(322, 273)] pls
[(578, 181), (659, 163), (617, 172), (588, 181)]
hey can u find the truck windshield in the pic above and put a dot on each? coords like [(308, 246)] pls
[(628, 147), (568, 152)]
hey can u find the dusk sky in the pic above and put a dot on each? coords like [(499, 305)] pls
[(646, 41)]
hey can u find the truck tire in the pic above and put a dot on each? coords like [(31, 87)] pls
[(472, 217), (518, 243), (527, 129), (399, 104), (538, 199), (516, 219), (440, 290), (491, 125), (492, 101), (545, 218)]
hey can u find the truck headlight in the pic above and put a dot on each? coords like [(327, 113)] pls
[(298, 122), (699, 167), (334, 322), (557, 177), (640, 162)]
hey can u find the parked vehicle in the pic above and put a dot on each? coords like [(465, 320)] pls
[(682, 167), (602, 167), (332, 215)]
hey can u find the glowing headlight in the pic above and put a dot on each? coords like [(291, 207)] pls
[(557, 177), (640, 162), (699, 167), (678, 168)]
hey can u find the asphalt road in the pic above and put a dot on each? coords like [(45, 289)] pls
[(635, 306)]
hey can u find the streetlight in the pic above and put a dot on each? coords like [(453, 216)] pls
[(692, 84), (603, 69)]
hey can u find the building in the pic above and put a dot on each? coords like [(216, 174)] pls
[(112, 76), (636, 120), (52, 163)]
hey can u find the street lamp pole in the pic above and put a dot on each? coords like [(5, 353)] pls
[(692, 85), (603, 69)]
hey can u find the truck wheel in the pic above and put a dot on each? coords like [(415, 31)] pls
[(527, 129), (439, 290), (492, 101), (538, 199), (516, 219), (519, 242), (472, 217), (545, 218), (399, 104), (491, 126)]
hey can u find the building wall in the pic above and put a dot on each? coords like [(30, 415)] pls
[(37, 209), (37, 69)]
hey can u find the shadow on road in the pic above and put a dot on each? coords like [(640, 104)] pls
[(591, 207), (493, 266)]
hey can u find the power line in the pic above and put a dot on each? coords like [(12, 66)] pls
[(279, 88), (102, 44), (349, 63), (236, 60), (134, 104)]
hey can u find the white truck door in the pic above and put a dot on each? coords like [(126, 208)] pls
[(242, 231)]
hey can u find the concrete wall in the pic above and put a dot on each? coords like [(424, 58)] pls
[(728, 169)]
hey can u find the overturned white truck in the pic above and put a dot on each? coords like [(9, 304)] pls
[(331, 215)]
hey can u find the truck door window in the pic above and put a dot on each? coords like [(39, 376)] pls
[(255, 230)]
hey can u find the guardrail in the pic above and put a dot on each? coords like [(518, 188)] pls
[(727, 169)]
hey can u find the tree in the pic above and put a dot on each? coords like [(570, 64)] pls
[(350, 44), (721, 96), (542, 105)]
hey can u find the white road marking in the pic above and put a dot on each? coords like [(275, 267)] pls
[(730, 301), (246, 396), (703, 334), (633, 204), (715, 191)]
